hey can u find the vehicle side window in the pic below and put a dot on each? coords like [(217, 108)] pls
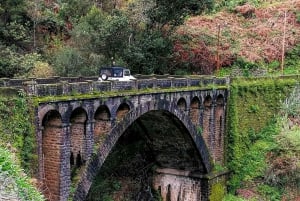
[(118, 73), (106, 71), (126, 73)]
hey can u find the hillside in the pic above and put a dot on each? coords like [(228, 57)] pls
[(254, 34)]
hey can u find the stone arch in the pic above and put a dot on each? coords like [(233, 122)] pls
[(207, 121), (43, 111), (51, 153), (219, 128), (78, 121), (195, 110), (181, 104), (95, 164), (122, 110), (102, 124)]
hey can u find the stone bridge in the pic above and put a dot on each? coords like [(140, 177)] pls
[(79, 121)]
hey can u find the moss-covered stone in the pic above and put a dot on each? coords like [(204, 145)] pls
[(17, 130), (218, 191), (252, 105)]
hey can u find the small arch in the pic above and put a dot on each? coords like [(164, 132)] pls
[(51, 152), (195, 110), (102, 113), (208, 101), (195, 102), (78, 120), (52, 118), (181, 104), (207, 120), (78, 115), (102, 123), (122, 110), (220, 100), (219, 128)]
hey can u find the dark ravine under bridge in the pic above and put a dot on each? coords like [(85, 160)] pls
[(80, 120)]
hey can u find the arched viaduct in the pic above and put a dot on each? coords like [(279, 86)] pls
[(183, 127)]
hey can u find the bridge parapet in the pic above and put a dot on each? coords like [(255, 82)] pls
[(59, 86)]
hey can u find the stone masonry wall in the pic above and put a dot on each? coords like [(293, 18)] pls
[(195, 112), (101, 128), (78, 147), (219, 133), (51, 162), (206, 126), (174, 187)]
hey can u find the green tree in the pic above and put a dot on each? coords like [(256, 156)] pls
[(14, 23), (151, 48), (68, 62), (150, 53), (14, 36), (9, 61), (73, 10), (100, 33), (173, 12)]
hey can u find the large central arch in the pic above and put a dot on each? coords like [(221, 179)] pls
[(97, 160)]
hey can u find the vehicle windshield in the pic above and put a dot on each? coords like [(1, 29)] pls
[(115, 72)]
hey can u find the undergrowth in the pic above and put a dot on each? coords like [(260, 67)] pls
[(17, 132), (14, 183)]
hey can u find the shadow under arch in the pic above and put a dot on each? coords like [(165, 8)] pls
[(98, 159)]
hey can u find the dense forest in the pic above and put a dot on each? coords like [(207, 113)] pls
[(75, 38), (40, 38)]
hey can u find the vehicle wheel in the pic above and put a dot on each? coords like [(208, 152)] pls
[(104, 77)]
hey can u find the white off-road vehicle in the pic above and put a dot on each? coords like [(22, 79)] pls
[(115, 74)]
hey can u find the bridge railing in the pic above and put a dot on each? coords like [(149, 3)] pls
[(58, 86)]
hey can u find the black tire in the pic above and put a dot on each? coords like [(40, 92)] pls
[(104, 76)]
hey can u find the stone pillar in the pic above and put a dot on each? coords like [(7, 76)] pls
[(207, 125), (219, 132), (65, 87), (89, 141), (31, 88), (53, 160), (39, 135), (201, 110), (65, 170), (194, 114), (212, 136)]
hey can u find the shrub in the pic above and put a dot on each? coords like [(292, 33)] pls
[(41, 69), (14, 181)]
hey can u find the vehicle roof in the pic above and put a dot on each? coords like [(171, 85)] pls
[(114, 67)]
